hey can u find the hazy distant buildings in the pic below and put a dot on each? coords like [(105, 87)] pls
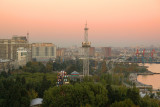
[(43, 52), (6, 65), (60, 52), (92, 51), (23, 56), (8, 47), (106, 52), (80, 52)]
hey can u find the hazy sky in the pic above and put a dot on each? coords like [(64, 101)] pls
[(110, 22)]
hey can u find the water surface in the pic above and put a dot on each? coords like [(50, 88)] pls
[(153, 80)]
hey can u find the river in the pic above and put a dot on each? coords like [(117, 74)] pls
[(153, 80)]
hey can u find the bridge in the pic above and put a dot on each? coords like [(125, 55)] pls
[(153, 62), (139, 85), (148, 73)]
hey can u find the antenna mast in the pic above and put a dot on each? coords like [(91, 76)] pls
[(86, 45), (28, 37)]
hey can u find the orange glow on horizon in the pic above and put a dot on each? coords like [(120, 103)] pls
[(62, 21)]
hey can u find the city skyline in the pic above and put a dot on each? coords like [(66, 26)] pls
[(111, 23)]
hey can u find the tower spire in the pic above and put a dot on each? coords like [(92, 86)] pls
[(86, 45), (86, 24), (28, 36), (86, 33)]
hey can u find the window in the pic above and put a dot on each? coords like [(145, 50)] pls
[(37, 51), (52, 51), (46, 51)]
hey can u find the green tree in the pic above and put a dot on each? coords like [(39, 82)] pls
[(32, 94), (44, 85), (76, 95), (13, 94), (148, 102), (23, 80), (125, 103), (49, 67), (4, 74), (133, 94), (70, 69), (104, 67)]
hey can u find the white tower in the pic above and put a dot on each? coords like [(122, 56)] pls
[(86, 45)]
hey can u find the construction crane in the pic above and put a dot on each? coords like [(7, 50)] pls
[(136, 56), (152, 55), (137, 53), (143, 57), (143, 52)]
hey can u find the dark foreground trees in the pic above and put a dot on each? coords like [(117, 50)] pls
[(105, 90), (18, 92), (76, 95), (125, 103), (13, 94), (95, 95)]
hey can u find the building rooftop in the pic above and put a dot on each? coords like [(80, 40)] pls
[(36, 101), (74, 73), (42, 44), (4, 60)]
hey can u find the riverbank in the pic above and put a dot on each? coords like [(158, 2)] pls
[(133, 79), (151, 78), (146, 73), (149, 73)]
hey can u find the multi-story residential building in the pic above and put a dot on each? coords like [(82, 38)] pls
[(60, 52), (92, 51), (8, 47), (106, 52), (43, 52)]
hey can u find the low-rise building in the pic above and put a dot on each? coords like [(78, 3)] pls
[(74, 76), (37, 102), (6, 65), (23, 56)]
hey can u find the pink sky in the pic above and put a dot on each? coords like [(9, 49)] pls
[(111, 22)]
